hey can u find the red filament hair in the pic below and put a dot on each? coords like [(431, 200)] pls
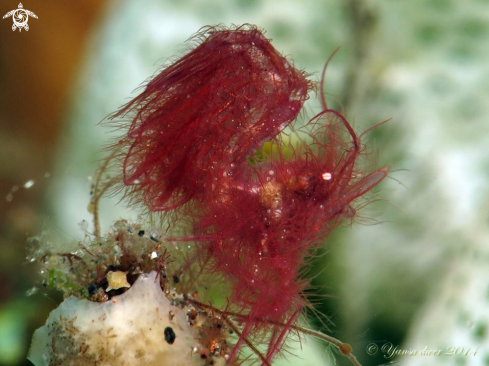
[(191, 132), (202, 116), (259, 233)]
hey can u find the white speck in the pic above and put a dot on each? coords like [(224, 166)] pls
[(326, 176), (154, 255), (29, 184), (31, 291), (271, 172)]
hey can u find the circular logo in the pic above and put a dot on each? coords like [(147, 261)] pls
[(20, 18)]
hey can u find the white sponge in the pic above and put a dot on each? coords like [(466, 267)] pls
[(140, 327)]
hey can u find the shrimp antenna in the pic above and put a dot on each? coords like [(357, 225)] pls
[(344, 348), (324, 104)]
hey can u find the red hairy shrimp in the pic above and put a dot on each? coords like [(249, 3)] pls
[(261, 230), (190, 135), (205, 114)]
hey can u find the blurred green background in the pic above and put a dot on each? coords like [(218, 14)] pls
[(418, 278)]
